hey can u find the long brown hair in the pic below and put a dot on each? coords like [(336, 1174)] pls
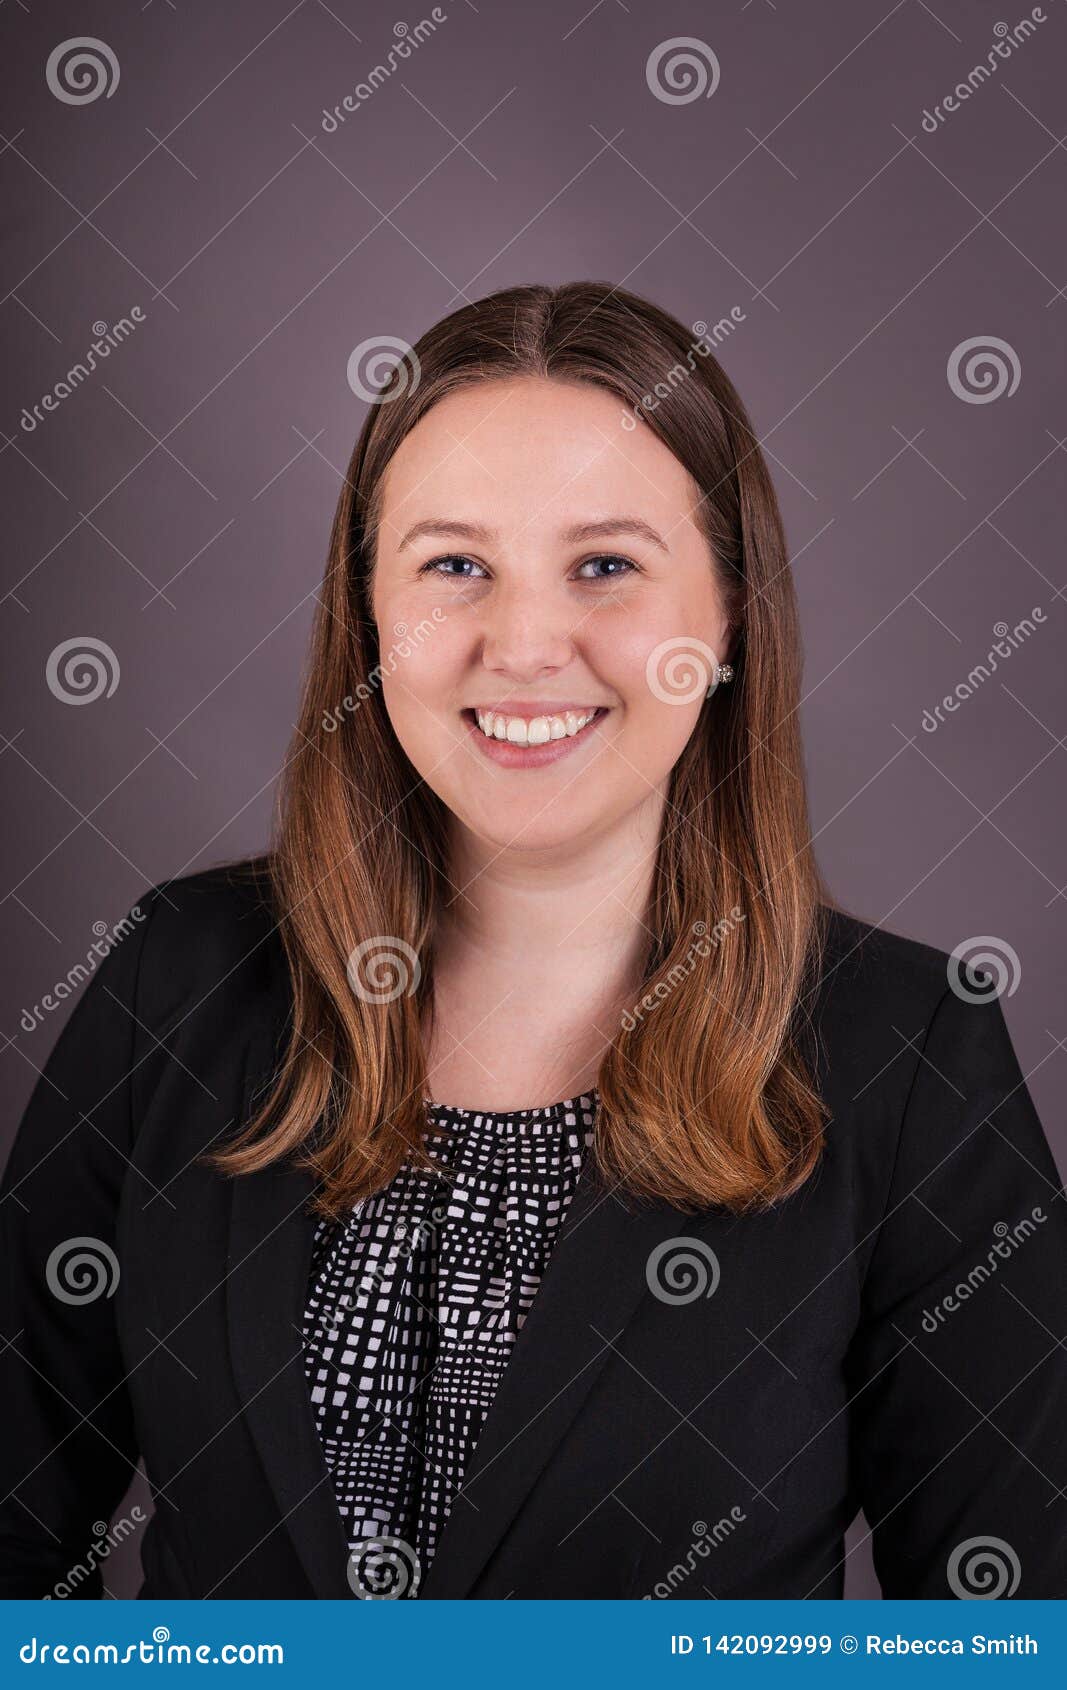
[(707, 1093)]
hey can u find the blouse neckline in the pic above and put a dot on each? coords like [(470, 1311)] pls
[(540, 1112)]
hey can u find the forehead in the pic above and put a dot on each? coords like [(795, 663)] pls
[(534, 453)]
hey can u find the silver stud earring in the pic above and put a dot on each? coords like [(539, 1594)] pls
[(725, 673)]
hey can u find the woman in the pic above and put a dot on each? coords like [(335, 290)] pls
[(524, 1181)]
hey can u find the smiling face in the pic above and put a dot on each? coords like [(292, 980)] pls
[(546, 565)]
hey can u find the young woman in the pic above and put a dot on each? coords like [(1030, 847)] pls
[(524, 1181)]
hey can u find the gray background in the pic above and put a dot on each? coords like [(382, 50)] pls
[(177, 505)]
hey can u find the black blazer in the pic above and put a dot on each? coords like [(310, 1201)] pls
[(866, 1345)]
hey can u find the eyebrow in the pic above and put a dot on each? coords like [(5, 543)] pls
[(443, 526)]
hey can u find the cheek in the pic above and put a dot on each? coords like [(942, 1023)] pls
[(659, 668), (656, 734), (660, 658), (420, 675)]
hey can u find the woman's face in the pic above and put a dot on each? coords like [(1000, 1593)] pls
[(547, 610)]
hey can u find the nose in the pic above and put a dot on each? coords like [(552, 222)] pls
[(527, 631)]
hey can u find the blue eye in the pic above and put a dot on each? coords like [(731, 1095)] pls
[(433, 567), (626, 567), (455, 566)]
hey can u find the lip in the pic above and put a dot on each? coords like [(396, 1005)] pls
[(509, 756), (532, 707)]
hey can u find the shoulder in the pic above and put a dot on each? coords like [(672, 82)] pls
[(227, 903), (859, 956), (876, 992), (209, 933)]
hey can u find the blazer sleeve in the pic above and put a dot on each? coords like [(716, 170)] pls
[(958, 1368), (69, 1444)]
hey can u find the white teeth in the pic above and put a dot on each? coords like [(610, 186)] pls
[(538, 730)]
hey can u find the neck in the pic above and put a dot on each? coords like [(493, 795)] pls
[(583, 904)]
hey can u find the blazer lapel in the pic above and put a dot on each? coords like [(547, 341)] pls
[(271, 1235), (592, 1285)]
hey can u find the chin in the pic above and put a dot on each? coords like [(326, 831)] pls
[(532, 827)]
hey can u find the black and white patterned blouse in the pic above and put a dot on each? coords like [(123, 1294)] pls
[(414, 1302)]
